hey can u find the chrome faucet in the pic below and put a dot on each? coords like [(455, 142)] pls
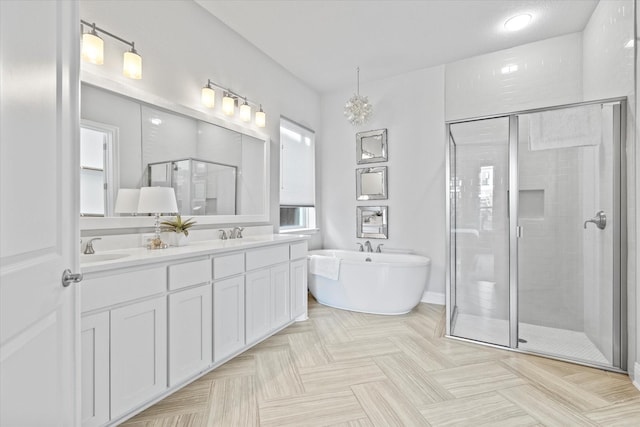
[(360, 247), (367, 246), (236, 233), (88, 250), (379, 248), (223, 235)]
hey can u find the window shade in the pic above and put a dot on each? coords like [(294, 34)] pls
[(297, 165)]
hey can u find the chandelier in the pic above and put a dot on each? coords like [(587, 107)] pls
[(358, 109)]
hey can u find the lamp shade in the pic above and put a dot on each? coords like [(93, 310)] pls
[(92, 48), (208, 97), (261, 118), (127, 200), (157, 200), (132, 65), (245, 112), (228, 105)]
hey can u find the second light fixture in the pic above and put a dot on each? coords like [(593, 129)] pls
[(229, 100)]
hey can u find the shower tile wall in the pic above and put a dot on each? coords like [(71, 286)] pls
[(548, 72)]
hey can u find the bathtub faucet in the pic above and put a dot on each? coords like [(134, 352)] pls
[(367, 246), (360, 247), (379, 248)]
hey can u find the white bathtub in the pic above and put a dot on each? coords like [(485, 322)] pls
[(375, 283)]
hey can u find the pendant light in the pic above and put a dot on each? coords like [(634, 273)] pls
[(92, 47), (358, 110), (208, 96)]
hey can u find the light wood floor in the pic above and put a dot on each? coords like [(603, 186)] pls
[(350, 369)]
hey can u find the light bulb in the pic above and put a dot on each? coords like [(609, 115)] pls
[(208, 96), (132, 64), (245, 112), (228, 105), (261, 118), (92, 48)]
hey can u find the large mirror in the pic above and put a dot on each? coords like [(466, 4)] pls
[(371, 183), (372, 222), (219, 174)]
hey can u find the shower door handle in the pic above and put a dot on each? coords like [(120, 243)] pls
[(600, 220)]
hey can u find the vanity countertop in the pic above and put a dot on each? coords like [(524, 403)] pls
[(132, 257)]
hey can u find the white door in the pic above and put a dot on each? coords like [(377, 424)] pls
[(228, 317), (39, 135), (280, 305), (258, 304)]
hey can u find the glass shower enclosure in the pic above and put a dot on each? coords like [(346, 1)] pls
[(536, 224)]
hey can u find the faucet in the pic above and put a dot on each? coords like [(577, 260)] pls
[(360, 247), (223, 235), (367, 245), (379, 248), (236, 233), (88, 250)]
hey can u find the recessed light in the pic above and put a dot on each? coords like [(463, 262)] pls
[(517, 22), (630, 44)]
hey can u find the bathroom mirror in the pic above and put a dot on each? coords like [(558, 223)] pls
[(371, 222), (371, 146), (371, 183), (220, 174)]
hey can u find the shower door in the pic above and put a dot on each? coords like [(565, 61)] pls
[(479, 226), (568, 233)]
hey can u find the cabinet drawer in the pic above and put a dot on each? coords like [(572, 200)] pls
[(228, 265), (189, 273), (298, 250), (268, 256), (117, 288)]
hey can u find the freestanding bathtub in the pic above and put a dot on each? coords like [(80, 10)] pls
[(376, 283)]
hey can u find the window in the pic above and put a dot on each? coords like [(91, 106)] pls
[(297, 177)]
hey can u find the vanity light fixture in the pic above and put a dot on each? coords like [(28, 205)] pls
[(93, 50), (228, 104), (229, 101), (245, 111), (517, 22), (208, 96)]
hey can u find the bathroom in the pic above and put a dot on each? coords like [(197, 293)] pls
[(412, 106)]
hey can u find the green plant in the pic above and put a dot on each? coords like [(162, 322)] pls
[(178, 226)]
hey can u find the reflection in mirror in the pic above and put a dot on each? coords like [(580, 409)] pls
[(214, 170), (371, 222), (371, 183), (371, 146)]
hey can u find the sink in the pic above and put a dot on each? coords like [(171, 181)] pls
[(84, 259)]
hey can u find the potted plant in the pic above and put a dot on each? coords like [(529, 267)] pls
[(179, 230)]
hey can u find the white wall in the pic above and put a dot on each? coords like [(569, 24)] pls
[(608, 70), (411, 107), (182, 46)]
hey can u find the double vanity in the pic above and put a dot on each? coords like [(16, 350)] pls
[(153, 321)]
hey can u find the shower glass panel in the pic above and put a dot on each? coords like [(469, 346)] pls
[(479, 180), (566, 160)]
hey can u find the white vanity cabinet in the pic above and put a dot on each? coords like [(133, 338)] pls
[(94, 338), (190, 324), (138, 353), (298, 280), (148, 328), (267, 291)]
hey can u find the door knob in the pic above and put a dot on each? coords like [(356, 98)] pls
[(600, 220), (68, 277)]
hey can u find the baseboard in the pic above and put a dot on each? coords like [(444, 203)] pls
[(433, 298), (636, 375)]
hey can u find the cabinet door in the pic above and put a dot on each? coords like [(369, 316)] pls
[(94, 338), (189, 332), (138, 354), (298, 288), (258, 304), (228, 317), (280, 304)]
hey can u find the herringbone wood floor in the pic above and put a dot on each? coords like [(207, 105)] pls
[(341, 368)]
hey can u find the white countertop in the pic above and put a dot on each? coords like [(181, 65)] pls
[(131, 257)]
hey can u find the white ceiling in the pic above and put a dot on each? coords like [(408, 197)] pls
[(322, 41)]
